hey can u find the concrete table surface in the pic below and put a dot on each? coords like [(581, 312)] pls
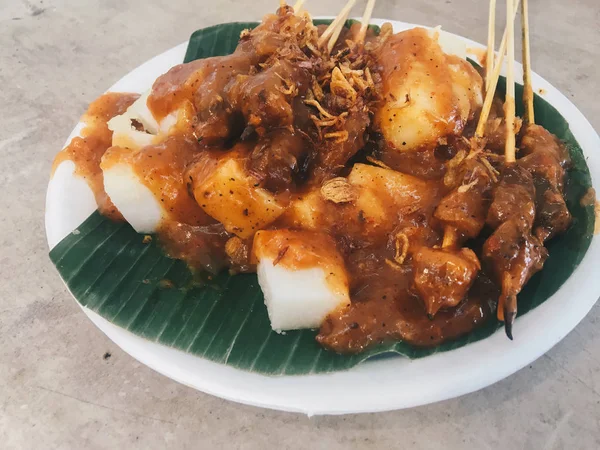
[(59, 390)]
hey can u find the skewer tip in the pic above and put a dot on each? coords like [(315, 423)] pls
[(509, 320)]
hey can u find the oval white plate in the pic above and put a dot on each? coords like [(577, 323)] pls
[(391, 383)]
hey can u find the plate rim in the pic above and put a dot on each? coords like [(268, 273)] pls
[(386, 384)]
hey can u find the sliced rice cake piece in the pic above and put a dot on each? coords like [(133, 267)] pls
[(302, 276), (228, 193)]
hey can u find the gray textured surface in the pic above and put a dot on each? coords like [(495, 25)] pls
[(57, 390)]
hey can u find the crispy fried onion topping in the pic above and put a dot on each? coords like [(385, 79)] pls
[(338, 190), (401, 244), (237, 251)]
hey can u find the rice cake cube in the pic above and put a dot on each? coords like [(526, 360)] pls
[(302, 276), (230, 195)]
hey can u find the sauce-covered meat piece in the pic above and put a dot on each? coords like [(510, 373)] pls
[(201, 247), (265, 99), (552, 215), (495, 127), (443, 276), (544, 165), (276, 159), (514, 255), (334, 153), (546, 157), (341, 99), (513, 198), (537, 139), (256, 81), (384, 307), (201, 83), (465, 208)]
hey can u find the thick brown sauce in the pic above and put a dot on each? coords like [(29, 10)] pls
[(86, 151), (384, 304)]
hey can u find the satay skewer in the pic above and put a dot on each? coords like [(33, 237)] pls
[(529, 115), (491, 45), (507, 311), (298, 6), (450, 237), (336, 33), (365, 21), (489, 97), (509, 103), (340, 19)]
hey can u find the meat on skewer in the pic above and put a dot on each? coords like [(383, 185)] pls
[(546, 159), (444, 276), (513, 252), (514, 197), (514, 255)]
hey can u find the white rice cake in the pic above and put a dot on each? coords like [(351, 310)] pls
[(134, 200), (302, 276)]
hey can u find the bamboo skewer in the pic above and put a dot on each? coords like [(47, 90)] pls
[(491, 44), (507, 309), (450, 237), (366, 18), (298, 6), (509, 104), (334, 25), (489, 97), (527, 90), (338, 29)]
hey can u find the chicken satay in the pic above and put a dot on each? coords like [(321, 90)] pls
[(204, 82), (334, 153), (276, 159), (546, 157), (514, 255), (537, 139), (495, 128), (552, 215), (266, 99), (465, 208), (444, 276), (544, 165), (513, 197), (201, 83)]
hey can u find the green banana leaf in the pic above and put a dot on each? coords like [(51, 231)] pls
[(110, 270)]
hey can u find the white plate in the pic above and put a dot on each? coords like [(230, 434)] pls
[(381, 385)]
